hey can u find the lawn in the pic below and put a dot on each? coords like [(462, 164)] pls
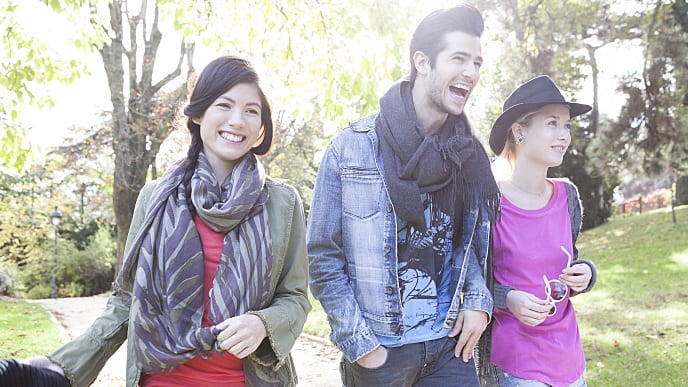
[(634, 323), (26, 330)]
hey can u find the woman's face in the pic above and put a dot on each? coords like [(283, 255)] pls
[(230, 127), (547, 137)]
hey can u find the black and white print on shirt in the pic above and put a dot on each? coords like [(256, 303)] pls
[(423, 279)]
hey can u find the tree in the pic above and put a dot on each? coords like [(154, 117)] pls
[(293, 156), (564, 50), (650, 135), (311, 48), (28, 65)]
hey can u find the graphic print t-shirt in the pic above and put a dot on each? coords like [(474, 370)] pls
[(424, 275)]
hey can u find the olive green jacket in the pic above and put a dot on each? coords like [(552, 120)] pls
[(84, 357)]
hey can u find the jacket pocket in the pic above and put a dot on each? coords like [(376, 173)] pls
[(362, 190)]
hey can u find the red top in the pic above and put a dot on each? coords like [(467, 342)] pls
[(218, 369)]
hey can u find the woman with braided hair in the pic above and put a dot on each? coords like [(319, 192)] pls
[(213, 286)]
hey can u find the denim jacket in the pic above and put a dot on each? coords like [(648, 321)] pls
[(352, 247)]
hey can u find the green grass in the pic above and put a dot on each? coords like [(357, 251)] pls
[(316, 323), (634, 323), (26, 330)]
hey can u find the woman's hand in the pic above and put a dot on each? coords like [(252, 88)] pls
[(43, 362), (241, 335), (527, 308), (577, 277)]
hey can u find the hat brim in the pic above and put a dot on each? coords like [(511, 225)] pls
[(500, 128)]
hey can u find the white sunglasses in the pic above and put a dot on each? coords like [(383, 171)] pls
[(556, 290)]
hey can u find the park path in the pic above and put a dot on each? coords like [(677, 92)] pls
[(316, 360)]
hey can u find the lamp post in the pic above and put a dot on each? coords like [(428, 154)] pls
[(55, 219)]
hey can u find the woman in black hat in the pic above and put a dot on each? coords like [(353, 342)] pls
[(534, 338)]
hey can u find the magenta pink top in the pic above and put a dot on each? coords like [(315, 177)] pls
[(526, 246), (216, 370)]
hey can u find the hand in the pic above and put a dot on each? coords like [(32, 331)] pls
[(469, 326), (577, 277), (527, 308), (43, 362), (373, 359), (241, 335)]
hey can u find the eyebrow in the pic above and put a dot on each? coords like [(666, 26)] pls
[(256, 104), (464, 53), (555, 117)]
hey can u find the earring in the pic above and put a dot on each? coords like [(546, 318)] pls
[(519, 139)]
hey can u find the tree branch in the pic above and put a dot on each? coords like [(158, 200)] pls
[(177, 71)]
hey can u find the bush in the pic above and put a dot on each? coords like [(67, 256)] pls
[(39, 291), (5, 283), (682, 190), (79, 273), (73, 289)]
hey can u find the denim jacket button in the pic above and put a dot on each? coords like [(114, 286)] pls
[(389, 208), (394, 327), (389, 290), (387, 249)]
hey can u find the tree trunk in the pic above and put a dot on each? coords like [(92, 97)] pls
[(140, 124)]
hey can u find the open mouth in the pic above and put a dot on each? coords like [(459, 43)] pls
[(232, 137), (459, 89)]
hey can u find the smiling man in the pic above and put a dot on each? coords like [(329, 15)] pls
[(399, 225)]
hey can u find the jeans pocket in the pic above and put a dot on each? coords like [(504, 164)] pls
[(384, 363)]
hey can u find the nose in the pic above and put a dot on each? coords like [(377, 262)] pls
[(236, 118), (471, 71)]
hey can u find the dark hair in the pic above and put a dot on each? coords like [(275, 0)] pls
[(429, 35), (217, 78)]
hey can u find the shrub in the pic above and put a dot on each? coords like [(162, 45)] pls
[(5, 283), (72, 289), (79, 273), (682, 190), (39, 291)]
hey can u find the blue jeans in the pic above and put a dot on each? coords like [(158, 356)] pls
[(431, 363), (507, 380)]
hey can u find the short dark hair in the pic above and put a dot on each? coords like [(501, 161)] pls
[(429, 35)]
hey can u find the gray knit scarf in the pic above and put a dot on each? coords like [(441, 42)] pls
[(451, 165), (162, 271)]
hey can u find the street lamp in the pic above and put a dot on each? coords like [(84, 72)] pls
[(55, 219)]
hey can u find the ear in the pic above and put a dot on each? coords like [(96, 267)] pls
[(517, 130), (421, 62), (196, 120)]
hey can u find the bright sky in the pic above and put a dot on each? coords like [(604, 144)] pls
[(83, 102)]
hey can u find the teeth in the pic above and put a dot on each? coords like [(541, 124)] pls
[(231, 137), (462, 86)]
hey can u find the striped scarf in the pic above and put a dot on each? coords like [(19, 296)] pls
[(162, 273)]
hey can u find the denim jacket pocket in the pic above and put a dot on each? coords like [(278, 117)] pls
[(362, 189)]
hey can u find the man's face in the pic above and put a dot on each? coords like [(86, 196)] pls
[(455, 73)]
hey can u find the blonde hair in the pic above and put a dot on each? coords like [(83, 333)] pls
[(509, 151)]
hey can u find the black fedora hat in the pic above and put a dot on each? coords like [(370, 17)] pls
[(530, 96)]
